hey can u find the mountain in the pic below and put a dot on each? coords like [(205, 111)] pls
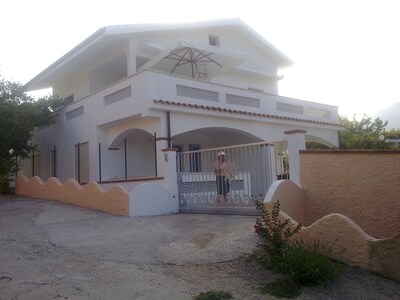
[(390, 114)]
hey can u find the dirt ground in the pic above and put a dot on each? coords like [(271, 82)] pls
[(55, 251)]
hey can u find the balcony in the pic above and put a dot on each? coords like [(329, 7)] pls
[(137, 95)]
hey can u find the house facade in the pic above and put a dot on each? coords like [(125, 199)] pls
[(132, 91)]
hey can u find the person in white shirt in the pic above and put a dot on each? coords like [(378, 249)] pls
[(223, 185)]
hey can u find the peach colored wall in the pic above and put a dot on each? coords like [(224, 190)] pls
[(91, 195), (290, 196), (348, 243), (363, 185)]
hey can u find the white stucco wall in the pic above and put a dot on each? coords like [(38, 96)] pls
[(105, 124)]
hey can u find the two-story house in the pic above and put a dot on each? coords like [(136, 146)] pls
[(131, 91)]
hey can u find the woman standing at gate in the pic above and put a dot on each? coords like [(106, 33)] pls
[(223, 185)]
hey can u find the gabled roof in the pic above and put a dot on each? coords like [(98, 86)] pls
[(108, 37)]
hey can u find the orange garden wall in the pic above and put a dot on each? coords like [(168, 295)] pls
[(345, 240), (363, 185), (91, 195)]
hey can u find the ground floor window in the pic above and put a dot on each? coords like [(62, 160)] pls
[(81, 153)]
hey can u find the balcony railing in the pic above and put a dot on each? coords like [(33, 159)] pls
[(142, 88)]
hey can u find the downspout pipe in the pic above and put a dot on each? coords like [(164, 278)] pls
[(169, 129)]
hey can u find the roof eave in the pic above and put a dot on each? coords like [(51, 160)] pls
[(29, 86)]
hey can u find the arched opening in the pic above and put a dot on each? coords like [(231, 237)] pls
[(130, 155), (212, 137)]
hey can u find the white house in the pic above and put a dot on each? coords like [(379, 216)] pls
[(132, 91)]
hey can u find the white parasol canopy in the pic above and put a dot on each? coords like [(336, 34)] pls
[(196, 60)]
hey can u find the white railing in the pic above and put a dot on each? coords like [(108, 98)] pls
[(170, 87), (157, 85), (248, 172)]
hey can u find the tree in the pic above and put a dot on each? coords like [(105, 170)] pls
[(363, 134), (393, 134), (19, 115), (392, 138)]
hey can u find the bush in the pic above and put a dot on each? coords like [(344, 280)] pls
[(214, 295), (301, 264), (274, 232), (305, 265), (284, 288)]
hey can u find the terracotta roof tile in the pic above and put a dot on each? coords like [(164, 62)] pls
[(241, 112)]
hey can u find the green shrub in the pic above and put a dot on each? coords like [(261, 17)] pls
[(301, 264), (214, 295), (283, 289), (305, 265), (274, 232)]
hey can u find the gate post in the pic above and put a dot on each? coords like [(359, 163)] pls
[(171, 178), (296, 142)]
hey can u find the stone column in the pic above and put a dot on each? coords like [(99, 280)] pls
[(171, 178), (296, 142), (131, 58)]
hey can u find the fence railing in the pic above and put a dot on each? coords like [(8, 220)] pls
[(249, 170)]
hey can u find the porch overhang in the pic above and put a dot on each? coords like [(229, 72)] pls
[(244, 113)]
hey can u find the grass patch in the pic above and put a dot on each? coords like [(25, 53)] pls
[(283, 289), (301, 264), (305, 266), (214, 295)]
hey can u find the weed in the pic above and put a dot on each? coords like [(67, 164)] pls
[(213, 295), (301, 264), (274, 232), (305, 265), (285, 288)]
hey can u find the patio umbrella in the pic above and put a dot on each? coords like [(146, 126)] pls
[(196, 59)]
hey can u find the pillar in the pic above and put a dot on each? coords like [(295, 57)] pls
[(131, 58), (171, 177), (296, 142)]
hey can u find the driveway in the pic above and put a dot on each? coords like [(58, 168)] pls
[(51, 250)]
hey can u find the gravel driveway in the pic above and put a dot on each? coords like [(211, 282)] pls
[(51, 250)]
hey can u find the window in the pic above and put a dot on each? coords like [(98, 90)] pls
[(54, 162), (82, 162), (36, 164), (74, 113), (213, 40), (69, 99)]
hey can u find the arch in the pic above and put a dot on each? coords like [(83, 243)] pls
[(131, 154), (132, 132), (212, 137)]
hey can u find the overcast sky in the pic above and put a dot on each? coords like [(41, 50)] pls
[(346, 52)]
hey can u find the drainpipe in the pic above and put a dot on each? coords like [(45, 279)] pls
[(126, 164), (155, 154), (79, 163), (54, 161), (169, 129), (99, 162), (33, 162)]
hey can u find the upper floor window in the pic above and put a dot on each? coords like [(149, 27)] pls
[(213, 40), (69, 99)]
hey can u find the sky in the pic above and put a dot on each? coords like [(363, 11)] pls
[(346, 52)]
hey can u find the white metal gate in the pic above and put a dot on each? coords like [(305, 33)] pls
[(251, 169)]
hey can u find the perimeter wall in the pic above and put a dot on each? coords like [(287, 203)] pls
[(363, 185)]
